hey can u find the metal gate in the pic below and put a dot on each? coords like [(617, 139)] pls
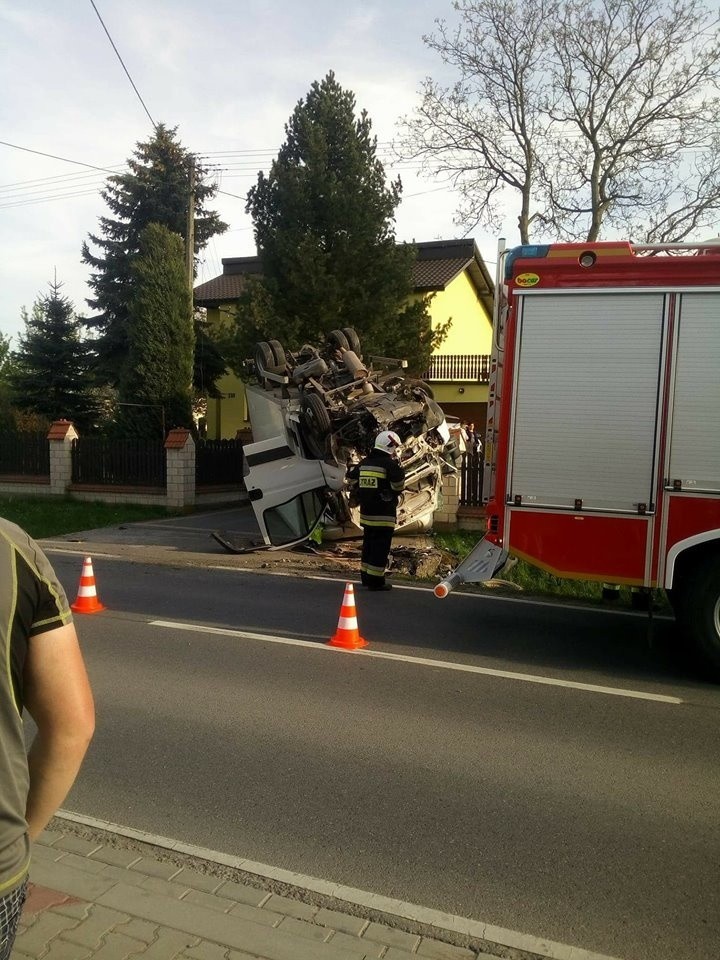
[(471, 480)]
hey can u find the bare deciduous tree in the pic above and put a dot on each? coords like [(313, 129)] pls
[(597, 113), (488, 132)]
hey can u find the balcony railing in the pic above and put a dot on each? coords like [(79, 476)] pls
[(459, 367)]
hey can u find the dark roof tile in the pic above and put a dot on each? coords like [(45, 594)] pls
[(436, 274), (438, 262), (220, 289)]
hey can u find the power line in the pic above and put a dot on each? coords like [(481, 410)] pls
[(267, 150), (60, 180), (52, 156), (49, 191), (121, 62), (64, 196), (422, 193), (235, 195)]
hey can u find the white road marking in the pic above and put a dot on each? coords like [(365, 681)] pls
[(421, 661), (83, 552), (364, 898), (534, 601)]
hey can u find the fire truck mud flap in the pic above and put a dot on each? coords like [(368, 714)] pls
[(479, 565)]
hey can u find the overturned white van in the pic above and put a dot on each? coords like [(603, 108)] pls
[(315, 413)]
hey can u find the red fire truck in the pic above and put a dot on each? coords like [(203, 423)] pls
[(603, 436)]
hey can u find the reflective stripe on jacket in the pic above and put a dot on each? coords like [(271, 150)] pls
[(380, 480)]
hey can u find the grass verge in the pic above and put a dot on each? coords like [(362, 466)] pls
[(529, 579), (50, 517)]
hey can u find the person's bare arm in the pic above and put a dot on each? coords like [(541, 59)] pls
[(58, 697)]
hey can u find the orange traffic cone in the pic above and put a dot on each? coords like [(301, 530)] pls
[(348, 635), (87, 598)]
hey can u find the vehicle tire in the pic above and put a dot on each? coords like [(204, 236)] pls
[(391, 384), (264, 359), (434, 415), (353, 340), (451, 453), (279, 355), (338, 340), (316, 421), (697, 600), (420, 384)]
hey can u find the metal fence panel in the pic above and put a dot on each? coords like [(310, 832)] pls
[(119, 462), (218, 462), (471, 480), (26, 454)]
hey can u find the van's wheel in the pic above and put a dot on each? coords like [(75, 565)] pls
[(353, 340), (338, 340), (264, 359), (425, 387), (391, 384), (278, 353), (434, 415), (316, 420), (697, 600)]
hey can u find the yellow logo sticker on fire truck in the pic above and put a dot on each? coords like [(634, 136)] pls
[(527, 279)]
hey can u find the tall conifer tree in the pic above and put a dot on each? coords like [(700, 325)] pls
[(157, 377), (51, 368), (324, 228), (156, 189)]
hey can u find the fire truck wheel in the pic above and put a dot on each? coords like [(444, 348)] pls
[(699, 610)]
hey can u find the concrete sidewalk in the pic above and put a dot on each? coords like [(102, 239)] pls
[(111, 902), (101, 894)]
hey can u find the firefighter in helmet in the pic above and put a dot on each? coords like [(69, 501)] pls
[(380, 480)]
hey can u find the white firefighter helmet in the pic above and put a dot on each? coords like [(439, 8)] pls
[(388, 441)]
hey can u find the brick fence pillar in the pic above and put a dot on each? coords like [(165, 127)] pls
[(180, 453), (446, 514), (60, 437)]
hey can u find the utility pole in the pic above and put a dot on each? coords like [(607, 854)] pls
[(190, 231)]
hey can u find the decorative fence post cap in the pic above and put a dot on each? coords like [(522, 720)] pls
[(177, 438), (60, 429)]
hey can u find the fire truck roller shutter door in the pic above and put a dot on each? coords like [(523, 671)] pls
[(587, 399)]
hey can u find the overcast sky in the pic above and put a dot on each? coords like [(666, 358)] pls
[(228, 74)]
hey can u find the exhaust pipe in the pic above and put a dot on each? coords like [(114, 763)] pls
[(354, 365)]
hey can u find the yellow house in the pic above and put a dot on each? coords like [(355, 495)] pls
[(451, 270)]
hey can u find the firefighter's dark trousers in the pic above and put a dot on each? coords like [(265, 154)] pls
[(375, 552)]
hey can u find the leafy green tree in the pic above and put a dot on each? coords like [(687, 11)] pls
[(209, 363), (51, 368), (324, 227), (156, 189), (156, 379)]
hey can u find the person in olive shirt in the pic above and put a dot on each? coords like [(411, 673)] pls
[(380, 479), (41, 669)]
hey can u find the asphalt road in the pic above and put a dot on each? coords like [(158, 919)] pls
[(584, 817)]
